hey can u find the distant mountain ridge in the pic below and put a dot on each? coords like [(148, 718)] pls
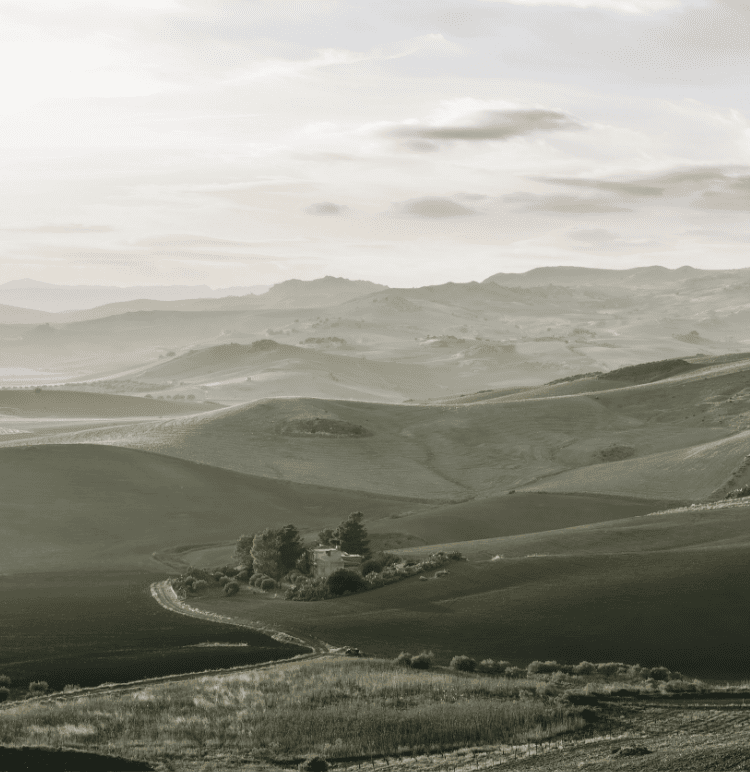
[(651, 275), (55, 298)]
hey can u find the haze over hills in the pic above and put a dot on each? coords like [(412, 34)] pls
[(530, 329), (43, 296)]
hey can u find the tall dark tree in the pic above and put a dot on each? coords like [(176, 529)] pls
[(243, 552), (352, 535), (304, 563), (266, 553), (290, 548)]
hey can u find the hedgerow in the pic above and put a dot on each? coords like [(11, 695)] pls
[(316, 588)]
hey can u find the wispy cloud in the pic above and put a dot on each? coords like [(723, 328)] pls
[(431, 208), (327, 209), (482, 126), (63, 228)]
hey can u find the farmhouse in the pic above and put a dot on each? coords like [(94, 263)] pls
[(326, 560)]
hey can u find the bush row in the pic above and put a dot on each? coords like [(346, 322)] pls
[(347, 582)]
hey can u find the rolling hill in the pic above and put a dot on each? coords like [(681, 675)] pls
[(62, 403), (680, 437), (662, 589), (86, 507)]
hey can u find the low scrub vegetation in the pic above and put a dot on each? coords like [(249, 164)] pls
[(348, 582), (330, 708)]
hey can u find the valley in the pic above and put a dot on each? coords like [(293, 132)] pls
[(584, 483)]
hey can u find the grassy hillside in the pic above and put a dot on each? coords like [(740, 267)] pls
[(266, 368), (521, 513), (691, 473), (684, 431), (659, 589), (58, 403), (90, 506)]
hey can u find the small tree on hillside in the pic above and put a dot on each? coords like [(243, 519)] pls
[(243, 552), (265, 552), (290, 548), (352, 535)]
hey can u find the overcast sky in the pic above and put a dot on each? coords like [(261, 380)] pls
[(236, 142)]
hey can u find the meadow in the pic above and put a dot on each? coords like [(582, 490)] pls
[(334, 707)]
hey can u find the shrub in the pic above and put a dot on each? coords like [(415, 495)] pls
[(5, 680), (463, 663), (70, 688), (38, 687), (224, 581), (217, 575), (659, 673), (550, 666), (314, 764), (584, 668), (423, 660), (370, 566), (345, 580), (404, 659), (268, 584), (200, 585), (515, 672), (242, 576), (4, 693), (231, 588), (455, 555), (490, 666), (609, 668)]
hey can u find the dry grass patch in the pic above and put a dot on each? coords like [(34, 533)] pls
[(335, 707)]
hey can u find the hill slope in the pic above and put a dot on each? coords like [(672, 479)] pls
[(487, 446), (87, 506), (663, 589)]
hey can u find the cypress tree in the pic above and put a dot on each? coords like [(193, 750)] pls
[(352, 535), (290, 548)]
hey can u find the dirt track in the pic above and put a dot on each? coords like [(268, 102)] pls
[(166, 597)]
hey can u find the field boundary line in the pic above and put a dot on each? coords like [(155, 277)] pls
[(164, 594)]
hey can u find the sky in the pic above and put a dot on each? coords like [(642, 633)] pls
[(408, 142)]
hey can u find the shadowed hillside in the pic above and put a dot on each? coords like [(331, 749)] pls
[(88, 506), (659, 589)]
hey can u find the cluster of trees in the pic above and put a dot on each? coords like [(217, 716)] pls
[(350, 536), (276, 552)]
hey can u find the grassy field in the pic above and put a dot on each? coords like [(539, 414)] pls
[(691, 473), (427, 451), (68, 507), (59, 403), (681, 437), (510, 515), (335, 707), (663, 589)]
